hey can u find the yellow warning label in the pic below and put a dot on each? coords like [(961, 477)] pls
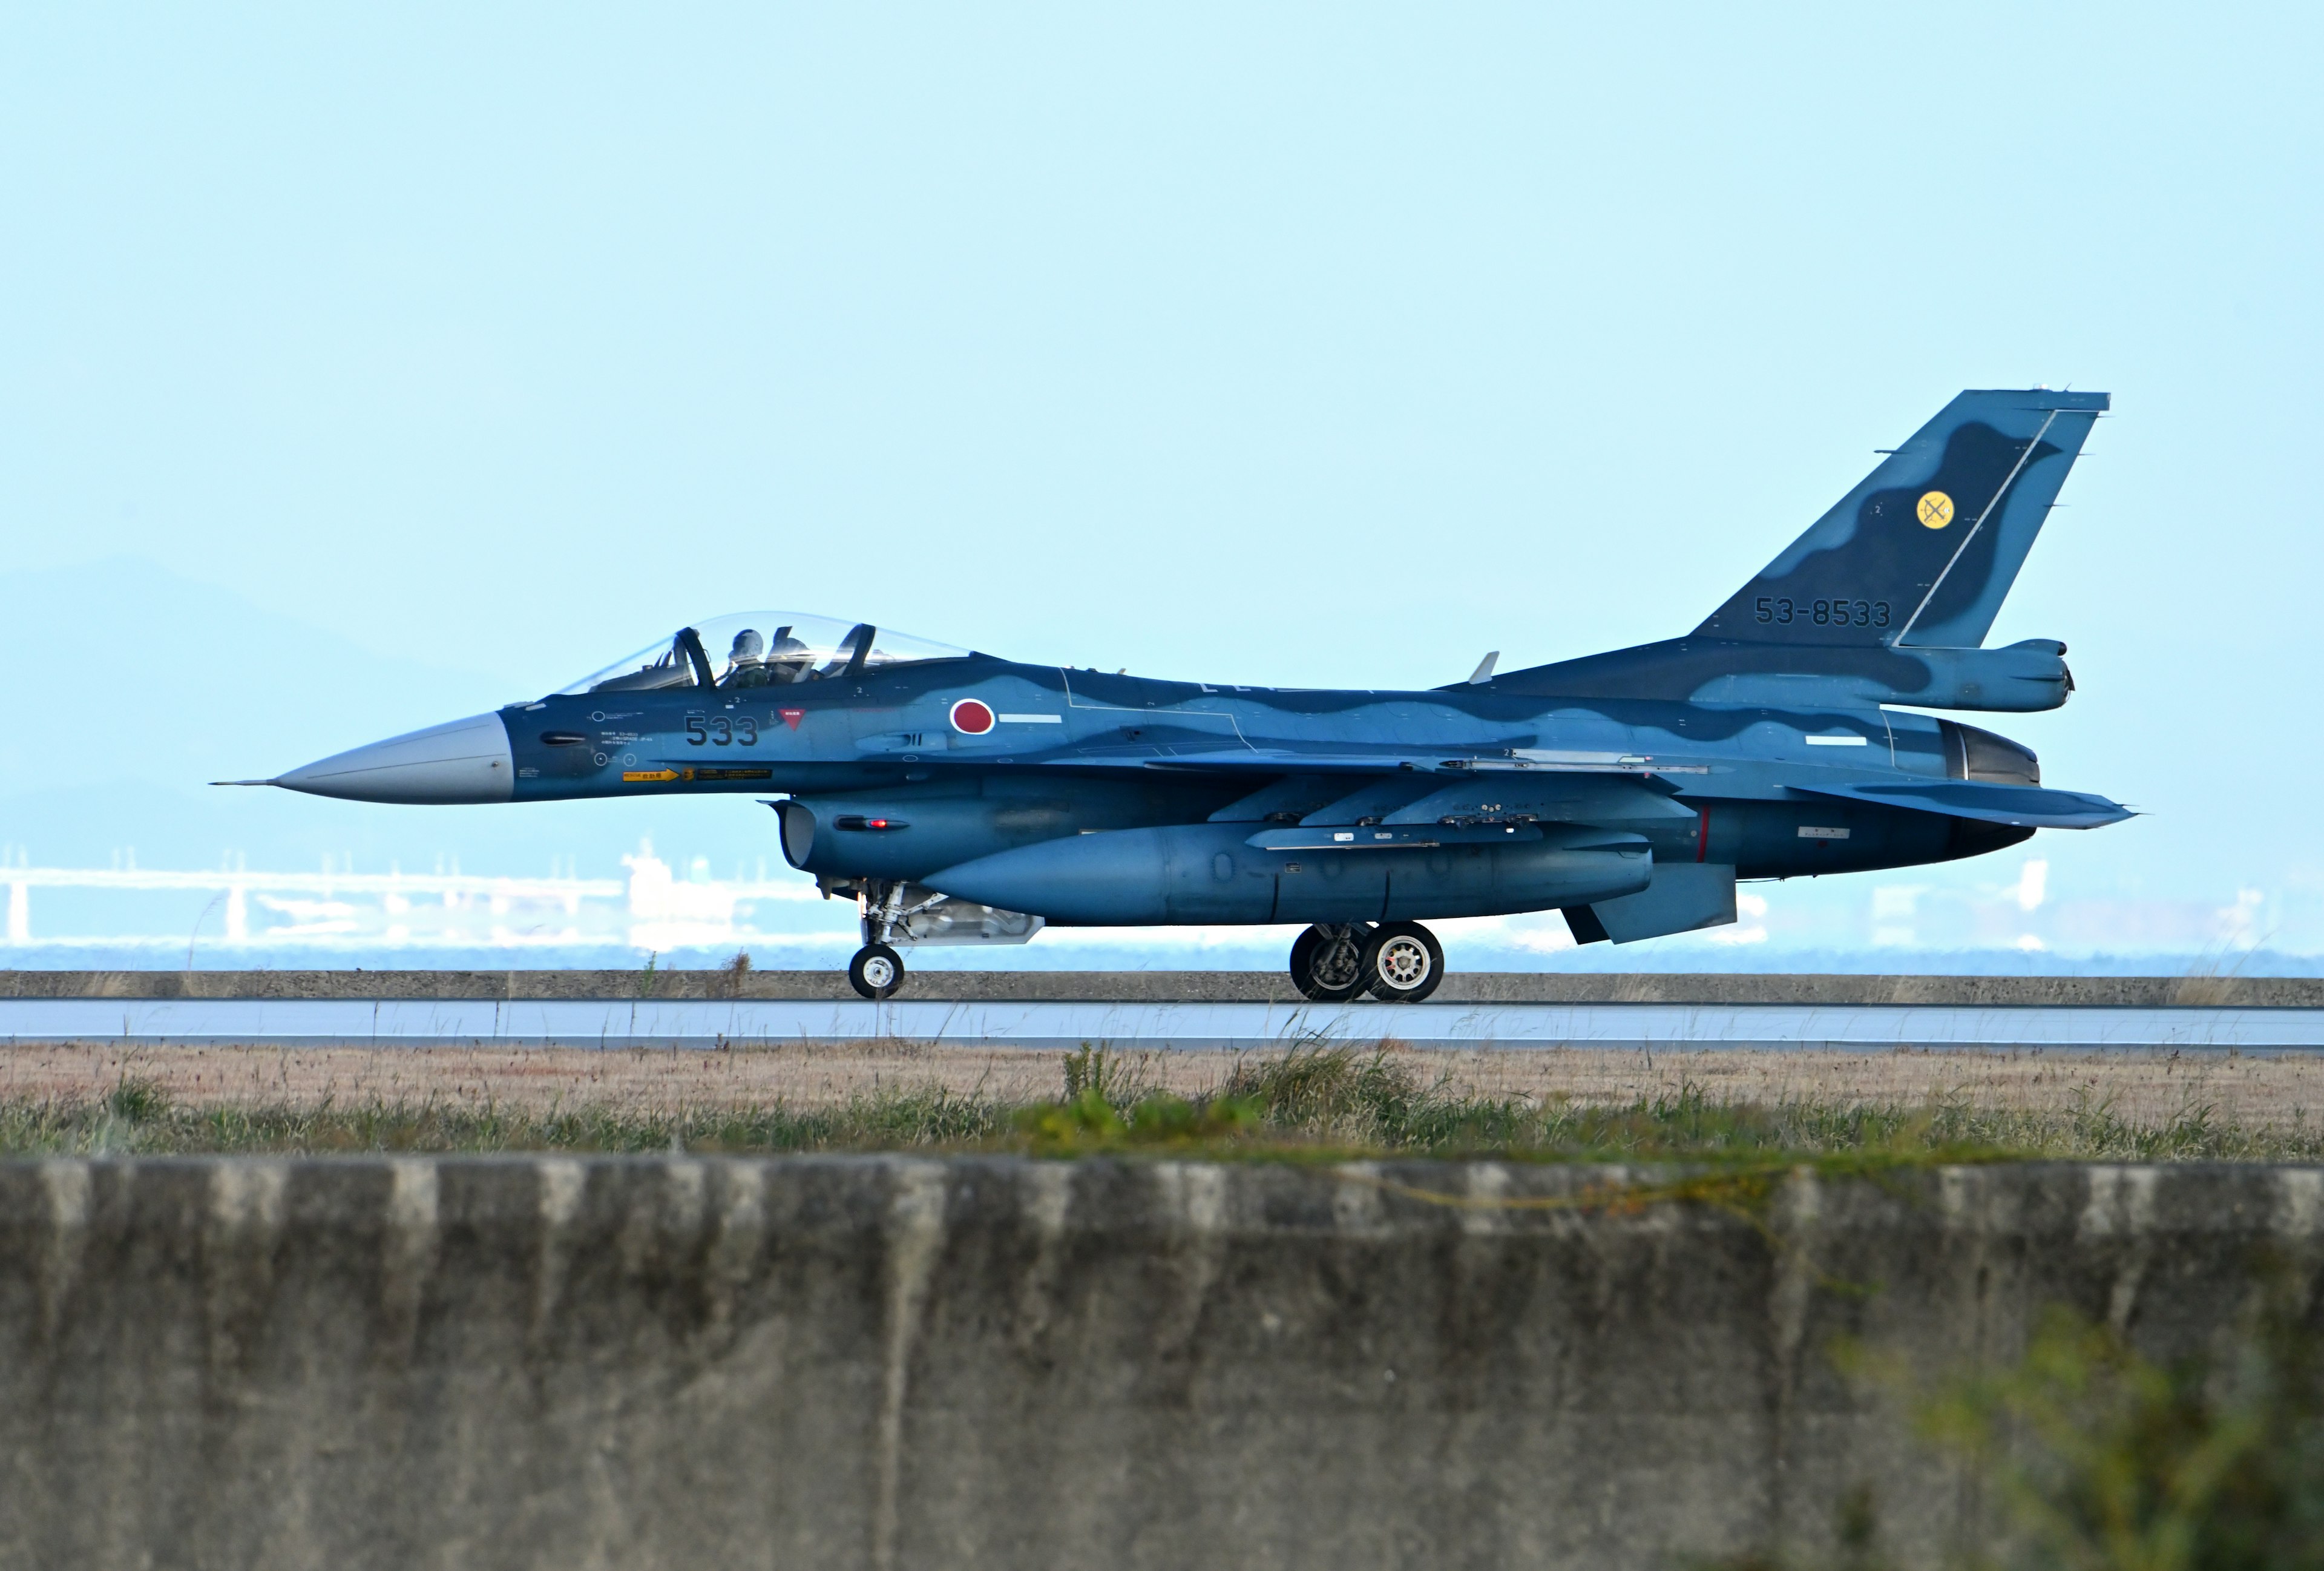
[(632, 776), (1936, 510)]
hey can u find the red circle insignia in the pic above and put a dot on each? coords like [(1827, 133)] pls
[(971, 717)]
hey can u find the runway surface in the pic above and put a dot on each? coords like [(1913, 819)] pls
[(1196, 1025)]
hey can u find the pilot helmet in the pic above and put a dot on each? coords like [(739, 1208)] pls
[(747, 645)]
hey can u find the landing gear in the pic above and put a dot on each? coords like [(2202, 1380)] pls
[(876, 971), (1403, 963), (1327, 961)]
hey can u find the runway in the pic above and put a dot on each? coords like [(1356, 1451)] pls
[(1200, 1025)]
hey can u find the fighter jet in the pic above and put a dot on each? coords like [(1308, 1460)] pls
[(962, 798)]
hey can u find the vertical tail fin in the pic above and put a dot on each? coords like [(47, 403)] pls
[(1925, 548)]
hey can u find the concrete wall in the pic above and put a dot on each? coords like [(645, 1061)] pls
[(1188, 986), (892, 1362)]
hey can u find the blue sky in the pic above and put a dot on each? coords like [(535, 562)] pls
[(1304, 345)]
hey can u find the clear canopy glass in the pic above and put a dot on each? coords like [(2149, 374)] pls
[(761, 648)]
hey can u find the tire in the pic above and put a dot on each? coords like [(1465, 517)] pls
[(876, 971), (1403, 963), (1341, 945)]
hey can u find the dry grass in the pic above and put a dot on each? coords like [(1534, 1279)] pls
[(1753, 1107), (2278, 1095)]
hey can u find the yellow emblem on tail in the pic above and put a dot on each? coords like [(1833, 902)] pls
[(1936, 510)]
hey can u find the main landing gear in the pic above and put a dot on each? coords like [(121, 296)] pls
[(1395, 962)]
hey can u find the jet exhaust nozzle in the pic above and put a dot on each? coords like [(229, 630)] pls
[(465, 760)]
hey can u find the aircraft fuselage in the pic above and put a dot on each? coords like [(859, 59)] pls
[(964, 798)]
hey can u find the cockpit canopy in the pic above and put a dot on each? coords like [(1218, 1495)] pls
[(761, 648)]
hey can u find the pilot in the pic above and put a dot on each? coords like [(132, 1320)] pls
[(743, 667), (788, 660)]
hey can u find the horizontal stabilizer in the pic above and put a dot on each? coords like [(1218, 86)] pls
[(2027, 806)]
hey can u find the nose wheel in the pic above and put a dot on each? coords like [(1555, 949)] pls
[(1327, 961), (876, 971)]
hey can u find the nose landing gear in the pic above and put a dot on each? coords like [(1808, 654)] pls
[(1398, 963), (877, 970)]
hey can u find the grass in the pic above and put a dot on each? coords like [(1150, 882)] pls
[(1314, 1103), (2103, 1460), (2087, 1455)]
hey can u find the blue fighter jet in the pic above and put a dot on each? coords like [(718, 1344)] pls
[(961, 798)]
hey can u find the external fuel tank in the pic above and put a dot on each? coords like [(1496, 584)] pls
[(1207, 873)]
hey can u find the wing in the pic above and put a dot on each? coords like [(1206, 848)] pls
[(1341, 758)]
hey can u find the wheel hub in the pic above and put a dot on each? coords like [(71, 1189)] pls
[(1403, 963), (1336, 959)]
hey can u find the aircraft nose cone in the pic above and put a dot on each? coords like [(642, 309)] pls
[(467, 760)]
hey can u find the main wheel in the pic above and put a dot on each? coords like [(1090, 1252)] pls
[(1402, 963), (1327, 959), (876, 971)]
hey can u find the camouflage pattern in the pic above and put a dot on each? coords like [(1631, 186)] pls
[(1630, 790)]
